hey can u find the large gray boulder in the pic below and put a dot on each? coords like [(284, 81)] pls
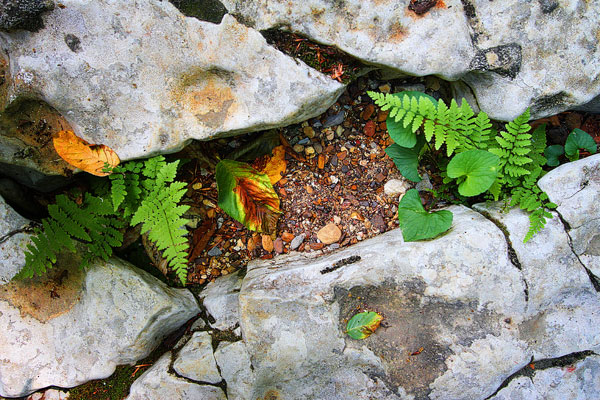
[(514, 54), (71, 326), (143, 79), (457, 298)]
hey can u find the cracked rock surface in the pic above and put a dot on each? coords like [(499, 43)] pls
[(575, 187), (142, 78), (465, 315), (72, 326), (513, 54)]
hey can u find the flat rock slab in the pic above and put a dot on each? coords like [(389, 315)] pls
[(72, 326), (454, 301), (158, 383), (196, 360), (542, 54), (462, 313), (144, 79)]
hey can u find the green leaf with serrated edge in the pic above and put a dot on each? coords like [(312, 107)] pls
[(576, 140), (407, 160), (247, 196), (476, 168), (418, 224), (552, 153), (363, 324), (404, 136)]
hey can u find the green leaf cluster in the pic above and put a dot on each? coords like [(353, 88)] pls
[(136, 193), (576, 140), (482, 161)]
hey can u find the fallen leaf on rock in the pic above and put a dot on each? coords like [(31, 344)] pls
[(90, 158), (276, 165), (363, 324)]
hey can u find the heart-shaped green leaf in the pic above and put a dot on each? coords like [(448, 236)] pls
[(552, 153), (418, 224), (407, 160), (576, 140), (363, 324), (247, 196), (476, 171), (404, 136)]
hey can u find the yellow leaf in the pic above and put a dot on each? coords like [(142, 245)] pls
[(87, 157), (276, 165)]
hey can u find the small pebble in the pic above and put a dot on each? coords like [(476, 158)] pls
[(309, 132), (297, 241), (318, 148), (278, 245), (337, 219), (334, 179), (335, 119), (298, 148), (214, 252), (386, 88), (287, 237), (309, 151), (339, 130), (395, 187), (329, 234), (304, 141)]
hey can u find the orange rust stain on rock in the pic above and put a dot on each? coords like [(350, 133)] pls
[(207, 95), (46, 297), (397, 32)]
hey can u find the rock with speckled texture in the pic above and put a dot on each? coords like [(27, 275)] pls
[(575, 187), (512, 54), (458, 297), (577, 381), (71, 326), (158, 383), (142, 78)]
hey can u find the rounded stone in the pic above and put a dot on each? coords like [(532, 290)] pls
[(329, 234)]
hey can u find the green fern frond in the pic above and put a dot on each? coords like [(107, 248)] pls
[(160, 215)]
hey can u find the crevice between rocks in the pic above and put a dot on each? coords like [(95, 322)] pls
[(535, 365), (512, 254), (595, 281), (29, 228)]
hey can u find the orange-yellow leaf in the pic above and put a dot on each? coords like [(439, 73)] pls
[(88, 157), (276, 165)]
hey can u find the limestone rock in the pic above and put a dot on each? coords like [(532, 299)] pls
[(196, 361), (549, 266), (71, 326), (458, 297), (575, 187), (395, 187), (142, 78), (512, 56), (13, 242), (158, 383), (236, 368), (221, 301), (580, 380), (329, 234)]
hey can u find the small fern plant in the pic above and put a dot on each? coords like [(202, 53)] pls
[(500, 165), (136, 193)]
